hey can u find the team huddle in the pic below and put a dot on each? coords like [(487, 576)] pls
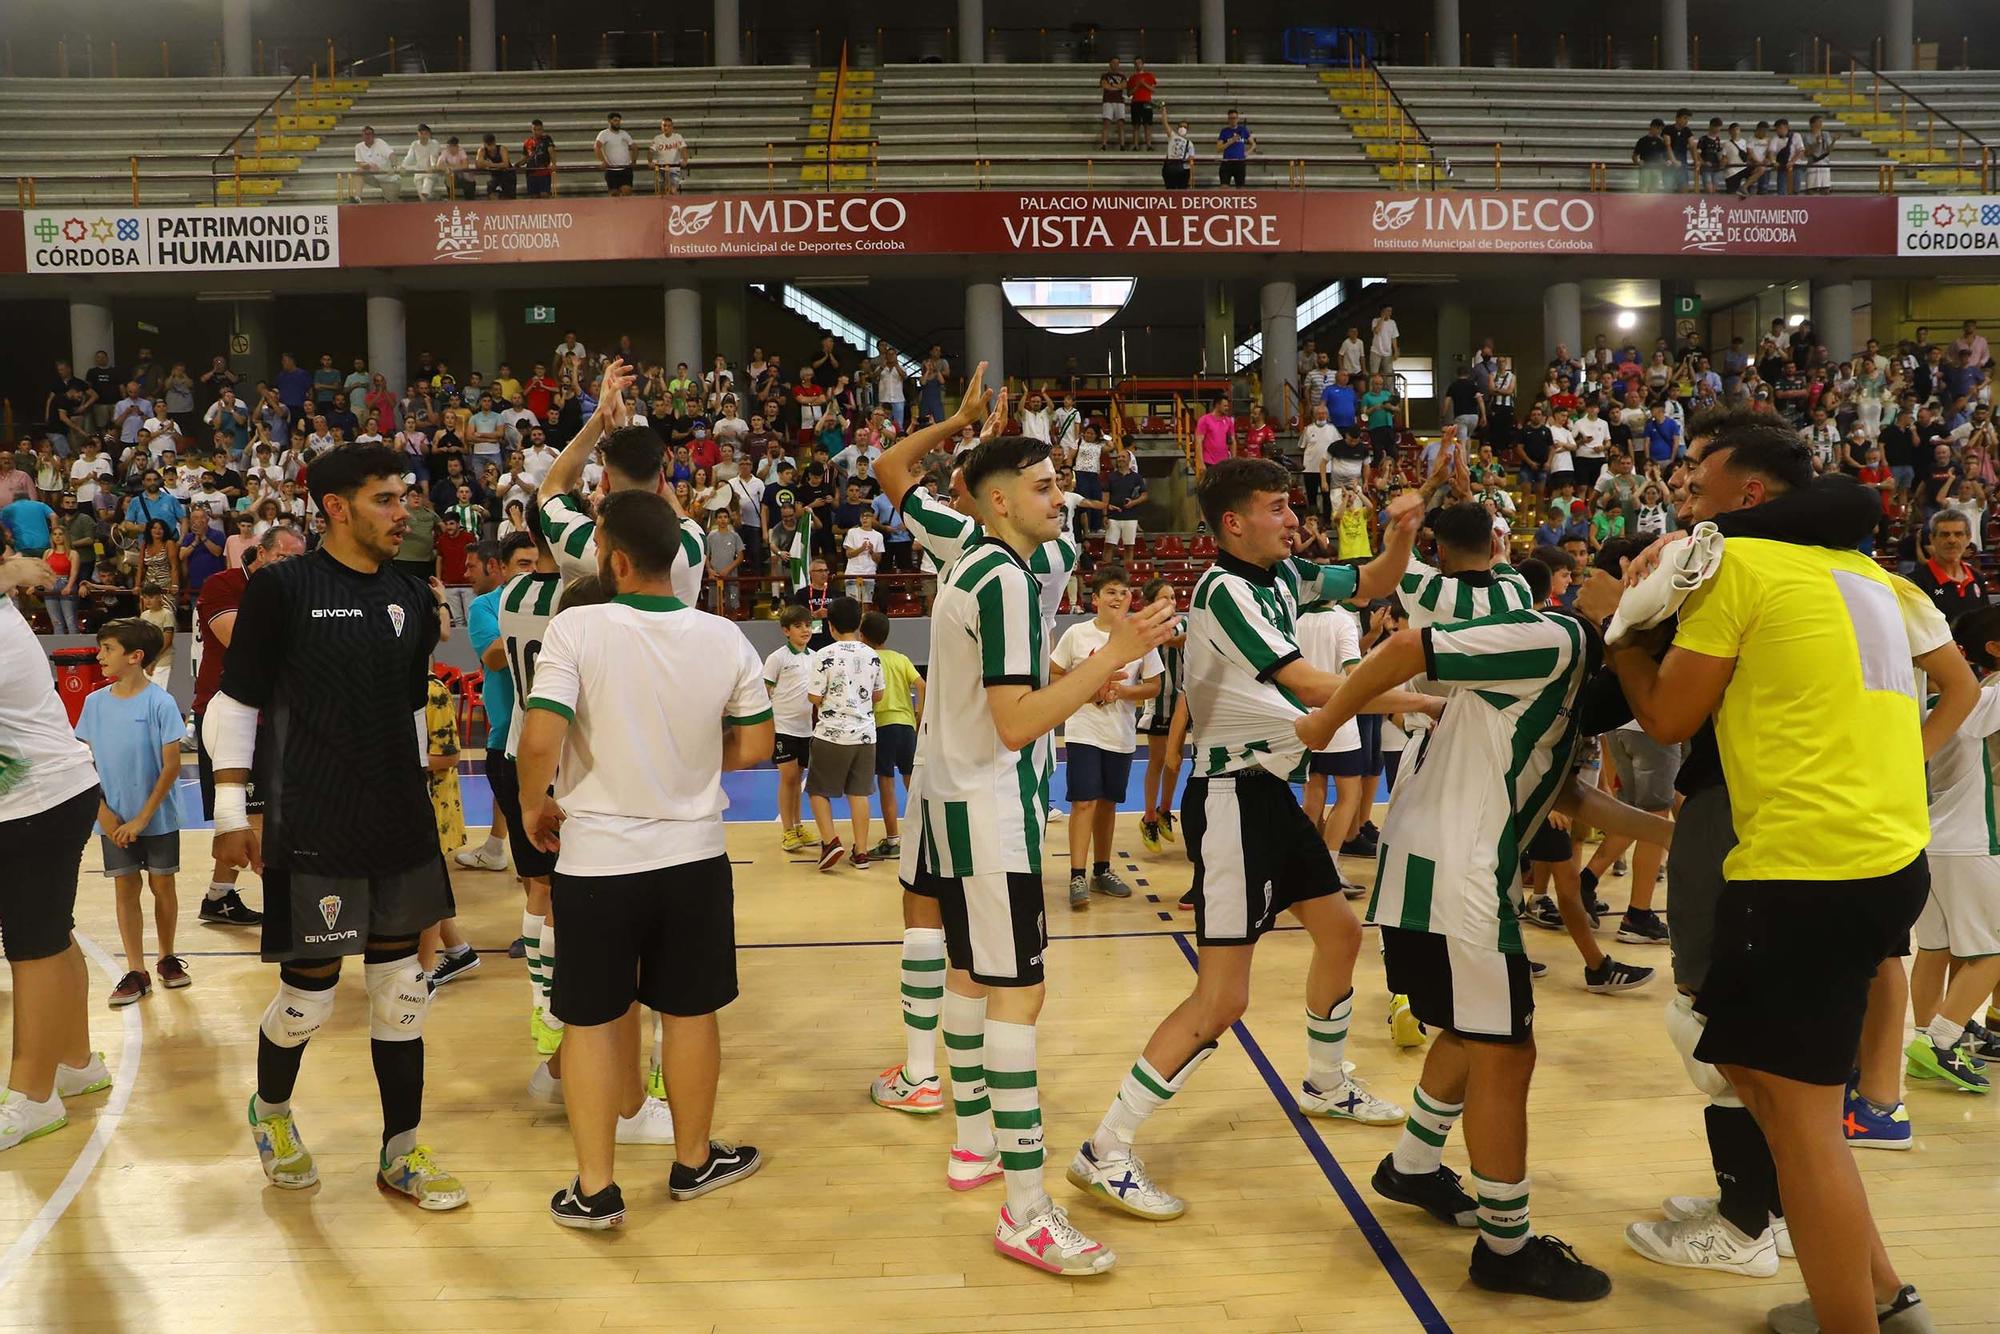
[(1778, 653)]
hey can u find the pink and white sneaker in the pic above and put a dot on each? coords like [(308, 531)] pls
[(1046, 1240), (966, 1170)]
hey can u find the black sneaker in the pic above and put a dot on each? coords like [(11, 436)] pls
[(519, 949), (1544, 913), (229, 910), (1593, 905), (451, 966), (1186, 903), (1536, 971), (1438, 1193), (1545, 1267), (1984, 1041), (726, 1163), (1612, 975), (593, 1213), (1362, 844), (1642, 926)]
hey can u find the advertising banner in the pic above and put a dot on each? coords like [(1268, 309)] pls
[(1945, 226), (90, 239), (527, 231)]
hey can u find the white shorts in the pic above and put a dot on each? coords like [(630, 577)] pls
[(1963, 912), (1121, 532), (1114, 111)]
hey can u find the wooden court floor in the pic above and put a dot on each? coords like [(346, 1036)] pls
[(149, 1213)]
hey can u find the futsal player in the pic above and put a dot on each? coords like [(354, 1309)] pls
[(333, 650)]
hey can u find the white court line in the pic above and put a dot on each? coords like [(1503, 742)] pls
[(123, 1081)]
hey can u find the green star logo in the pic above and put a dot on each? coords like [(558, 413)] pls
[(45, 230), (1918, 215)]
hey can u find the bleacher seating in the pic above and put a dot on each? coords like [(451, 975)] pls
[(1967, 99)]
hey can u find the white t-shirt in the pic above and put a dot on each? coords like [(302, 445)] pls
[(788, 673), (377, 155), (1386, 334), (1961, 777), (1330, 639), (536, 461), (1351, 351), (34, 730), (1089, 456), (617, 146), (1111, 726), (83, 475), (864, 548), (1592, 435), (1035, 424), (847, 679), (648, 685), (1316, 439), (889, 383), (669, 150), (1562, 456)]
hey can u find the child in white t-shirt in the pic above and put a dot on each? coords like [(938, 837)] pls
[(846, 682), (864, 546), (787, 674)]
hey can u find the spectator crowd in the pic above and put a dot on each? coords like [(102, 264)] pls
[(1770, 158), (440, 169)]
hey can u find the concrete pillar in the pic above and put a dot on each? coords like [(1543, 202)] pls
[(1562, 319), (985, 330), (1218, 329), (728, 34), (90, 331), (732, 323), (237, 60), (260, 362), (684, 328), (486, 343), (1278, 321), (481, 47), (1833, 318), (1447, 39), (1673, 34), (971, 32), (1454, 340), (1214, 32), (1899, 34), (388, 338)]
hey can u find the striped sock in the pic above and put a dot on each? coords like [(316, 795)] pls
[(1421, 1149), (1144, 1091), (965, 1049), (549, 974), (538, 987), (923, 998), (1326, 1044), (1503, 1213), (1017, 1113)]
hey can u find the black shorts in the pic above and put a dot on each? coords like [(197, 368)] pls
[(502, 776), (618, 178), (665, 938), (995, 926), (1550, 844), (1794, 959), (309, 916), (1254, 852), (1142, 113), (204, 770), (1157, 722), (895, 749), (38, 892), (1370, 725), (792, 750), (1338, 763), (1483, 995), (1231, 171)]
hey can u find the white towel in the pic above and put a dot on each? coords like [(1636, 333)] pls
[(1685, 565)]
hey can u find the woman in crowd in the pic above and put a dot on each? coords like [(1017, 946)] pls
[(160, 559)]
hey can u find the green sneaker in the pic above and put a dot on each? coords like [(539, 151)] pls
[(287, 1163), (1955, 1067), (417, 1175), (656, 1084), (1149, 835), (548, 1039)]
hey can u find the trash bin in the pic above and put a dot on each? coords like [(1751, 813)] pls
[(77, 674)]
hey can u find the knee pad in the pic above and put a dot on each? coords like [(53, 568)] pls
[(294, 1015), (398, 996), (1684, 1028)]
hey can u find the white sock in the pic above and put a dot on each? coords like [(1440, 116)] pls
[(1143, 1091), (216, 890), (1421, 1148), (1943, 1033), (1503, 1213), (494, 844), (1017, 1113), (923, 999), (1326, 1044), (965, 1050), (455, 951)]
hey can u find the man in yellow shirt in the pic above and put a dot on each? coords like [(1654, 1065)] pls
[(1801, 655)]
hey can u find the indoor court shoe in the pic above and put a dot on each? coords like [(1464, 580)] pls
[(966, 1170), (1705, 1241), (287, 1163), (229, 910), (593, 1213), (888, 847), (452, 966), (22, 1120), (1537, 971), (1545, 1267), (482, 858), (1642, 926), (726, 1163), (1678, 1207), (545, 1087), (1613, 976), (1954, 1066), (519, 949), (1906, 1315), (899, 1093), (1867, 1128), (173, 972), (1438, 1193), (793, 839), (417, 1175), (1109, 884), (130, 988), (93, 1076), (1984, 1043), (1349, 1100), (1544, 913), (830, 855), (1047, 1240), (548, 1037), (653, 1123), (1079, 892), (1167, 827), (1125, 1183), (1186, 903), (1405, 1029), (1149, 835), (858, 859)]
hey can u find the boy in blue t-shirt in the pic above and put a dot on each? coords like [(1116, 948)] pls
[(134, 731)]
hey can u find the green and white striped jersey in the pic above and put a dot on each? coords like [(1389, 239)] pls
[(1965, 801), (572, 533), (1160, 708), (1450, 860), (1242, 628), (981, 804), (528, 602), (1431, 597), (945, 534)]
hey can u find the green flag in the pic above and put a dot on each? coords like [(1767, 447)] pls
[(801, 553)]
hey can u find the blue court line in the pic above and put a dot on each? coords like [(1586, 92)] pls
[(1398, 1269)]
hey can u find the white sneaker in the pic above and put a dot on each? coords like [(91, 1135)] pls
[(1125, 1182), (1705, 1242), (966, 1170), (1678, 1207), (93, 1076), (1350, 1100), (545, 1087), (653, 1123), (479, 859), (21, 1120), (1046, 1240)]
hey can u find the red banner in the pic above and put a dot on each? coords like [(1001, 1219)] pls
[(528, 231)]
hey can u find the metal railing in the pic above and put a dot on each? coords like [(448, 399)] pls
[(1856, 64), (1406, 117)]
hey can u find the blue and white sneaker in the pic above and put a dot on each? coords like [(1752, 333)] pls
[(1867, 1128), (1123, 1182)]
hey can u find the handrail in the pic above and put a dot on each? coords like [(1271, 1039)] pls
[(1908, 96), (833, 111), (1184, 437), (1423, 136), (231, 150)]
